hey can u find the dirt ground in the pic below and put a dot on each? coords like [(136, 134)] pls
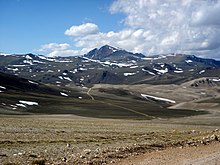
[(202, 155), (69, 139)]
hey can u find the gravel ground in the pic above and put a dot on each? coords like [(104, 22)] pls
[(71, 140), (202, 155)]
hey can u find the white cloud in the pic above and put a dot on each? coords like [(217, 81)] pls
[(53, 47), (82, 30), (154, 27), (173, 25), (57, 53)]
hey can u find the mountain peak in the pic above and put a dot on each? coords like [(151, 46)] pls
[(102, 52), (108, 47), (108, 52)]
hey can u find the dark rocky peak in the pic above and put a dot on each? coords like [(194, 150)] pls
[(107, 52), (101, 53)]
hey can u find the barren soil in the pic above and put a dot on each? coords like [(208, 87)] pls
[(69, 139), (202, 155)]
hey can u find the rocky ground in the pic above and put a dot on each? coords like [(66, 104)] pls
[(201, 155), (76, 140)]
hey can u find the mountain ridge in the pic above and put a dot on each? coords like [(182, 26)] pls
[(110, 65)]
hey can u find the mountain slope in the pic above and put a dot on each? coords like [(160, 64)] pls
[(22, 96), (110, 65)]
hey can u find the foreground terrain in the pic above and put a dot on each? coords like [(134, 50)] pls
[(69, 139), (202, 155)]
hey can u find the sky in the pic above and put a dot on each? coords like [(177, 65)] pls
[(74, 27)]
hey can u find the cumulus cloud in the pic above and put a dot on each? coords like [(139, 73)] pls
[(53, 47), (156, 27), (82, 30), (56, 53), (185, 26)]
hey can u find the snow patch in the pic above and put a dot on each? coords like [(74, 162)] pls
[(108, 63), (82, 69), (129, 74), (21, 105), (28, 57), (4, 54), (18, 65), (146, 58), (40, 62), (2, 87), (202, 71), (32, 82), (64, 94), (188, 61), (113, 49), (132, 67), (60, 77), (148, 71), (216, 80), (157, 98), (161, 71), (28, 62), (28, 102), (75, 70), (13, 69), (178, 71), (67, 78), (42, 57)]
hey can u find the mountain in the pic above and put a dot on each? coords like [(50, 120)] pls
[(122, 82), (107, 52), (109, 65)]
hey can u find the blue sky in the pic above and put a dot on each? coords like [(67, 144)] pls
[(73, 27), (27, 24)]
